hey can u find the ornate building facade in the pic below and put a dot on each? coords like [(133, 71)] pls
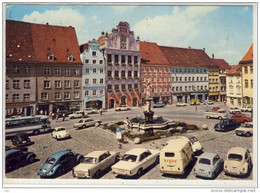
[(122, 59)]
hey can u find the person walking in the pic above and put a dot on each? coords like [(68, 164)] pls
[(63, 115), (100, 111)]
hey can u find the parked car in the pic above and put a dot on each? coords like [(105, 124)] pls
[(159, 105), (226, 125), (60, 133), (195, 144), (241, 118), (220, 114), (59, 162), (135, 161), (61, 112), (209, 102), (247, 109), (238, 162), (21, 139), (77, 114), (234, 110), (246, 129), (195, 102), (215, 108), (17, 157), (122, 108), (90, 111), (83, 123), (94, 163), (180, 104), (208, 165)]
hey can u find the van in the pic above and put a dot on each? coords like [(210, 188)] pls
[(175, 156)]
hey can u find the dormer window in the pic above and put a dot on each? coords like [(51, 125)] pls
[(51, 57), (70, 57), (94, 53)]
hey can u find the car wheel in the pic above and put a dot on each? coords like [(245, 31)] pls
[(81, 159), (96, 124), (139, 172), (237, 134), (36, 132), (117, 159), (58, 172), (98, 173), (248, 134), (207, 117), (71, 117), (31, 159), (83, 126), (219, 117)]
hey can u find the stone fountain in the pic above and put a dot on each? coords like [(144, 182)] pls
[(148, 113)]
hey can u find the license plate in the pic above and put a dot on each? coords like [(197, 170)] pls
[(24, 142)]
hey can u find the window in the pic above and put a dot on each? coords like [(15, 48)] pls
[(94, 81), (94, 53), (67, 72), (116, 74), (6, 97), (76, 84), (16, 97), (205, 70), (251, 81), (47, 71), (189, 87), (129, 59), (26, 97), (94, 93), (57, 71), (152, 69), (192, 78), (123, 74), (109, 58), (135, 74), (66, 95), (177, 79), (185, 78), (205, 78), (162, 69), (197, 78), (16, 69), (47, 84), (86, 81), (142, 69), (51, 57), (198, 87), (44, 96), (86, 92), (185, 70), (158, 78), (172, 79), (94, 61), (101, 81), (123, 86), (87, 70), (129, 86), (246, 83), (57, 95), (135, 59), (135, 85), (180, 78), (86, 61), (109, 73), (162, 78), (76, 94), (158, 69), (189, 78), (173, 88), (101, 70), (7, 84), (122, 59), (129, 73), (76, 71), (201, 88), (66, 84), (70, 57), (186, 88), (57, 83), (94, 70), (27, 69), (147, 69), (251, 69), (201, 78), (153, 78), (246, 70), (101, 92), (100, 61), (180, 88), (116, 58), (26, 83)]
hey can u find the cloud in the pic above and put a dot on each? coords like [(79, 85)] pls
[(245, 10), (176, 29), (123, 9), (95, 19)]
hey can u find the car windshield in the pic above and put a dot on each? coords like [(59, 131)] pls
[(61, 129), (89, 160), (236, 157), (22, 136), (193, 140), (247, 125), (204, 161), (50, 160), (224, 121), (81, 121), (129, 157)]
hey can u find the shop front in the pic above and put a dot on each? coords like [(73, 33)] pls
[(20, 109)]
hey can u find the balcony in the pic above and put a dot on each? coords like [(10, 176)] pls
[(136, 89), (129, 77), (110, 77), (123, 64), (136, 77), (109, 63), (136, 64), (116, 64), (109, 90), (130, 89), (129, 64)]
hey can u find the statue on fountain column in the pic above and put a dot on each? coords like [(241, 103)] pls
[(148, 111), (148, 89)]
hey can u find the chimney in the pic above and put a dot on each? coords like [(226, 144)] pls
[(212, 56), (204, 49), (47, 23), (102, 33), (189, 47)]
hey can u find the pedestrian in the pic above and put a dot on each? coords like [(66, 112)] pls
[(57, 116), (52, 116), (100, 111), (127, 123), (63, 115)]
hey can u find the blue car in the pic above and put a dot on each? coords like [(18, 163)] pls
[(159, 105), (60, 162), (208, 165)]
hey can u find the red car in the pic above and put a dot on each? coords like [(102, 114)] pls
[(241, 118), (215, 108)]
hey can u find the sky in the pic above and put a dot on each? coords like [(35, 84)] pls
[(225, 31)]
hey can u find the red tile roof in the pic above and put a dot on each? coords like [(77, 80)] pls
[(205, 58), (83, 47), (249, 55), (101, 39), (235, 70), (42, 40), (152, 54), (222, 64)]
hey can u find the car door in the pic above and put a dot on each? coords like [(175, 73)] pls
[(87, 122)]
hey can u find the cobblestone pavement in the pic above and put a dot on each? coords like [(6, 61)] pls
[(86, 140)]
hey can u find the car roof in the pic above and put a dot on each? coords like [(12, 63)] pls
[(238, 150), (176, 144), (95, 154), (208, 155), (10, 151), (59, 153), (136, 151), (59, 127), (187, 136)]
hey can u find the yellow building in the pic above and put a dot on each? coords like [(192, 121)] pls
[(213, 84), (247, 77)]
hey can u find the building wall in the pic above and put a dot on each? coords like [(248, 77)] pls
[(160, 79), (93, 92), (222, 88), (188, 83), (213, 84), (23, 105), (234, 90), (247, 75)]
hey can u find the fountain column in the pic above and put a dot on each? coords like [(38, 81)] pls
[(148, 113)]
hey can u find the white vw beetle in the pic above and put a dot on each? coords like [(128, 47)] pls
[(136, 161), (60, 133), (94, 163)]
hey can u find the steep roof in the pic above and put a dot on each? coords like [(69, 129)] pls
[(152, 54), (83, 47), (101, 39), (234, 70), (40, 40), (205, 58), (222, 64), (249, 55)]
